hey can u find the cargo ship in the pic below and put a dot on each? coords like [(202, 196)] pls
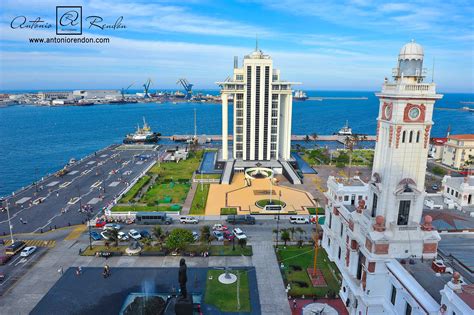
[(142, 135)]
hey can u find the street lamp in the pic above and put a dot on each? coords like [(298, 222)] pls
[(9, 220), (89, 224)]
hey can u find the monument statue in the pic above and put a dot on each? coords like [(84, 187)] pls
[(183, 278)]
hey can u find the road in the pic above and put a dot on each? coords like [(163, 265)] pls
[(94, 181)]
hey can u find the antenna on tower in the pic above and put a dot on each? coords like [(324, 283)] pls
[(256, 42), (432, 71), (236, 62)]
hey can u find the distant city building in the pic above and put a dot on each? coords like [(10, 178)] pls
[(262, 115), (375, 232), (96, 94), (50, 96), (459, 191), (458, 150)]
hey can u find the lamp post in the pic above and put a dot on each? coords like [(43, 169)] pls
[(89, 224), (9, 220)]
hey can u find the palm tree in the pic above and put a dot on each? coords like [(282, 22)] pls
[(157, 232), (350, 142), (205, 234), (285, 236), (300, 231), (242, 242), (314, 136), (114, 236), (306, 138), (292, 231)]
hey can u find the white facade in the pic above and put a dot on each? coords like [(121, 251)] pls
[(364, 236), (460, 190), (262, 111), (96, 94)]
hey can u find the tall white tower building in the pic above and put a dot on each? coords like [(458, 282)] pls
[(370, 227), (262, 111)]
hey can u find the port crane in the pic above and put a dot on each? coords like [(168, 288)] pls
[(188, 87), (123, 91), (146, 86)]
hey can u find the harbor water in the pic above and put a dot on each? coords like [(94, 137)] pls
[(39, 140)]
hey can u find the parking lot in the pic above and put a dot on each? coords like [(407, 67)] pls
[(92, 183)]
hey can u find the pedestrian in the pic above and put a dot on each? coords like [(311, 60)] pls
[(294, 304), (78, 271), (61, 270), (21, 220)]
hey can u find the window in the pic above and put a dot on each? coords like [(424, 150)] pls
[(393, 296), (404, 134), (408, 309), (418, 137), (374, 205), (329, 242), (339, 253), (346, 198), (411, 136), (239, 77), (330, 220), (341, 229), (403, 212)]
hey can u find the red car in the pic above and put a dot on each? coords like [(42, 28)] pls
[(100, 223), (4, 259), (219, 227), (228, 235)]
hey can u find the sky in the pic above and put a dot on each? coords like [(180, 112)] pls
[(326, 45)]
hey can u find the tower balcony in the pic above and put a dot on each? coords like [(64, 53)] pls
[(409, 89)]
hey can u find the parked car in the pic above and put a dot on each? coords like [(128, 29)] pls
[(27, 251), (228, 235), (122, 236), (239, 234), (100, 223), (134, 234), (299, 220), (14, 248), (106, 235), (435, 187), (219, 227), (240, 219), (196, 236), (4, 259), (95, 236), (110, 226), (145, 234), (218, 235), (186, 220)]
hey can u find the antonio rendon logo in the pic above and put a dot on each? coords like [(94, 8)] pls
[(68, 20)]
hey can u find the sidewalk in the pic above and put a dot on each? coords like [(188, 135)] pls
[(271, 289), (189, 199)]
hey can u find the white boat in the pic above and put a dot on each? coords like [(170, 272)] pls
[(142, 135), (300, 96), (345, 131)]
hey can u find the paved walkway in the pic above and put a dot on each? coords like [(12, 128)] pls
[(273, 298), (22, 297), (189, 199)]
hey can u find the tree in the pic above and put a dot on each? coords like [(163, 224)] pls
[(114, 236), (285, 236), (179, 238), (242, 242), (351, 142), (300, 231), (292, 231), (158, 233), (275, 231), (306, 138), (205, 234), (314, 136)]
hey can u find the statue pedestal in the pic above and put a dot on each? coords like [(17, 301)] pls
[(183, 306)]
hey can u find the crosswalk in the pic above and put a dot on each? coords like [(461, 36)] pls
[(37, 243)]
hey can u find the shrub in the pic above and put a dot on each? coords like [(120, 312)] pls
[(437, 170)]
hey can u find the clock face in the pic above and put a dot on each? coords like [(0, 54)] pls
[(388, 111), (414, 113)]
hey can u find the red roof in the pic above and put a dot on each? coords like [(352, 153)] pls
[(462, 137), (467, 295), (439, 141)]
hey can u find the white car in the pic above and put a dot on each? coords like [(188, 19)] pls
[(134, 234), (122, 236), (186, 220), (106, 235), (299, 220), (239, 234), (27, 251), (218, 235), (111, 226)]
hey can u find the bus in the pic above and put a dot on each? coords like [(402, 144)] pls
[(153, 218)]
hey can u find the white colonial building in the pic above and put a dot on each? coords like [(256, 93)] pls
[(373, 231), (261, 117)]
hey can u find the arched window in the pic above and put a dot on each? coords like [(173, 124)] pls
[(411, 136), (404, 134), (418, 136)]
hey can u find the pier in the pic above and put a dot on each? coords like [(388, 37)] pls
[(338, 138)]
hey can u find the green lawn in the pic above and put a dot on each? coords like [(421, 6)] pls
[(200, 199), (227, 211), (208, 176), (224, 296), (137, 208), (178, 171), (221, 250), (177, 192), (102, 248), (262, 203), (302, 258), (318, 211), (135, 189)]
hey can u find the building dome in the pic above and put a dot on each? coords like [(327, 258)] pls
[(411, 51)]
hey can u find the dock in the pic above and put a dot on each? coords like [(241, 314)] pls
[(338, 138)]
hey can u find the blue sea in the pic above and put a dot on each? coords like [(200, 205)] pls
[(39, 140)]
